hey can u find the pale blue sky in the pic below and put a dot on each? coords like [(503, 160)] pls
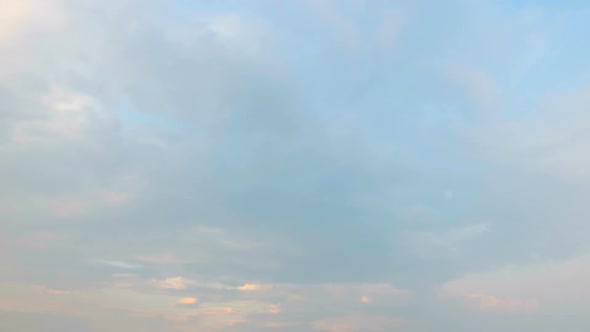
[(294, 165)]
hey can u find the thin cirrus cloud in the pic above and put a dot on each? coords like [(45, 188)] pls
[(294, 166)]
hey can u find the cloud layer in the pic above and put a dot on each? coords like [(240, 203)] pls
[(302, 165)]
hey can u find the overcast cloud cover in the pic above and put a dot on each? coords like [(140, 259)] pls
[(294, 165)]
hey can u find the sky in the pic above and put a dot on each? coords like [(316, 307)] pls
[(294, 165)]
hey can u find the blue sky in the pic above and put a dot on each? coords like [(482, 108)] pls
[(295, 165)]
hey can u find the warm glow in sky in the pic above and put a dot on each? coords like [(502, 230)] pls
[(294, 166)]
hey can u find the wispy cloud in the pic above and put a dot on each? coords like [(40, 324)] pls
[(187, 301), (116, 264)]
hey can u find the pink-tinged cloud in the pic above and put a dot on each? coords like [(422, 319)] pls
[(525, 288), (358, 323), (219, 310), (486, 298), (123, 285), (187, 300), (274, 309), (18, 18), (492, 303), (276, 325), (68, 207), (67, 102), (40, 240), (369, 291), (211, 319), (170, 283), (56, 291), (12, 15), (124, 275), (8, 208), (75, 205), (252, 287)]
